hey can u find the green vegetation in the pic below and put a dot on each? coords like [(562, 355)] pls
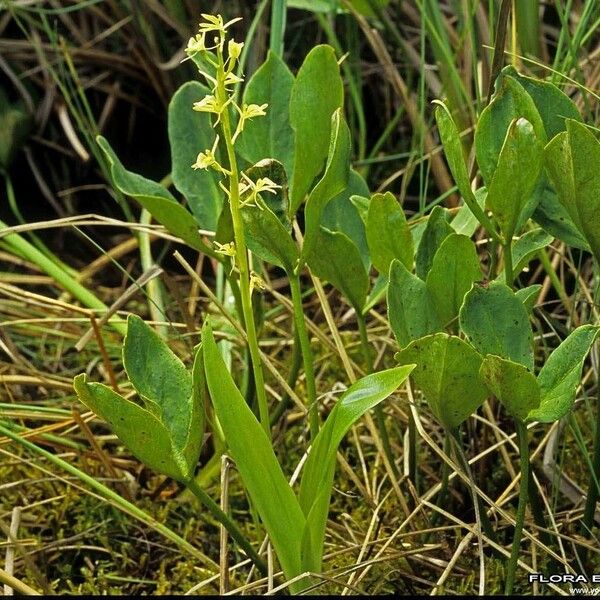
[(318, 356)]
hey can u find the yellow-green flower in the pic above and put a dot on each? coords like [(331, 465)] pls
[(208, 104), (234, 50), (215, 23)]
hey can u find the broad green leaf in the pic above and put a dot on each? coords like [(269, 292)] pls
[(528, 296), (510, 102), (191, 132), (316, 94), (411, 311), (253, 454), (270, 136), (496, 322), (164, 384), (318, 472), (341, 214), (447, 373), (435, 232), (555, 219), (268, 238), (454, 155), (388, 234), (561, 374), (553, 105), (337, 260), (573, 163), (526, 248), (454, 269), (156, 200), (515, 386), (141, 431), (515, 177), (333, 182)]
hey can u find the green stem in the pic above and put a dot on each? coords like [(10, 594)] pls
[(508, 264), (307, 355), (242, 254), (296, 363), (108, 494), (379, 416), (28, 251), (485, 523), (412, 450), (523, 497), (278, 18), (228, 523)]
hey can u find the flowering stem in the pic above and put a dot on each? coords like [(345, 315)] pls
[(307, 355), (523, 498), (241, 251)]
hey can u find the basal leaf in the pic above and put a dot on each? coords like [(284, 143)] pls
[(496, 322), (253, 454), (561, 374), (411, 311), (333, 182), (160, 377), (510, 102), (268, 238), (191, 132), (388, 234), (270, 136), (318, 472), (142, 432), (555, 218), (515, 386), (447, 373), (453, 150), (341, 214), (316, 94), (528, 296), (454, 269), (436, 231), (573, 163), (553, 105), (156, 200), (337, 260), (515, 177), (526, 248)]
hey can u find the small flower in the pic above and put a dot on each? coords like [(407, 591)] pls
[(225, 249), (215, 23), (250, 111), (208, 104), (254, 189), (232, 79), (196, 44), (234, 50), (256, 282), (207, 159)]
